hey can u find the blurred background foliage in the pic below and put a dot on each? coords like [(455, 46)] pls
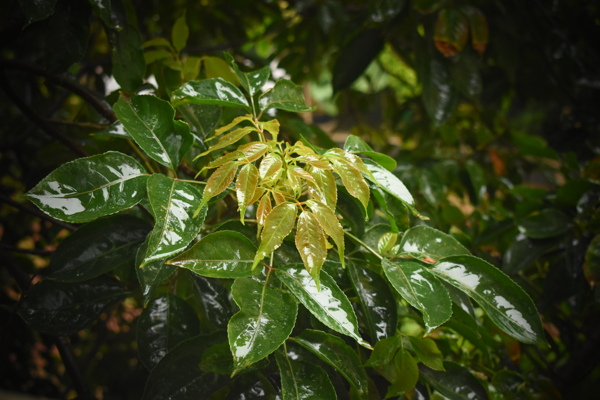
[(490, 109)]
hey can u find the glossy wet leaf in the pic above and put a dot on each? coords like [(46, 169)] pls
[(547, 223), (116, 130), (165, 322), (327, 192), (330, 224), (202, 118), (427, 352), (353, 181), (303, 380), (421, 290), (431, 187), (457, 383), (451, 31), (430, 245), (377, 301), (311, 243), (507, 305), (59, 308), (210, 91), (270, 165), (213, 300), (128, 65), (178, 375), (88, 188), (223, 254), (149, 120), (439, 95), (335, 352), (152, 274), (285, 95), (265, 320), (354, 144), (245, 186), (328, 303), (278, 224), (97, 247), (408, 373), (173, 205), (219, 181), (252, 81)]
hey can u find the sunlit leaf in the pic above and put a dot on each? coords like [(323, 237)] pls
[(230, 138), (311, 243), (245, 186), (219, 181), (210, 91), (278, 224), (390, 184), (330, 224), (430, 245), (252, 81), (327, 189), (353, 181), (263, 209), (270, 165), (285, 95), (354, 144)]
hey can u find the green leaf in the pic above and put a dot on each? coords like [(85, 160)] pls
[(128, 65), (252, 81), (353, 181), (377, 301), (507, 305), (89, 188), (265, 320), (451, 31), (115, 130), (223, 254), (210, 91), (427, 352), (152, 274), (457, 383), (175, 224), (230, 138), (104, 10), (439, 95), (421, 290), (311, 243), (431, 186), (96, 248), (407, 376), (328, 303), (478, 28), (430, 245), (335, 352), (180, 33), (278, 224), (384, 351), (36, 10), (330, 224), (58, 308), (218, 181), (217, 359), (354, 144), (216, 67), (524, 251), (245, 187), (165, 322), (301, 380), (178, 375), (547, 223), (213, 299), (149, 120), (202, 118), (285, 95), (327, 192)]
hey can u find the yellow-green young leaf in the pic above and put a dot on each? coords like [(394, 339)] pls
[(278, 224), (301, 173), (230, 125), (386, 242), (353, 181), (293, 183), (232, 137), (269, 165), (349, 158), (219, 181), (326, 182), (180, 33), (253, 150), (258, 193), (263, 209), (191, 68), (315, 161), (330, 224), (245, 186), (311, 244), (279, 197), (272, 126), (234, 155)]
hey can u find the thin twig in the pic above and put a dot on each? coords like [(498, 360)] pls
[(366, 246), (83, 125)]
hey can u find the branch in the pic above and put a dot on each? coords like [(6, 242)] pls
[(36, 212)]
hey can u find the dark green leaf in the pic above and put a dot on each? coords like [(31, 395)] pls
[(165, 322), (213, 300), (430, 245), (252, 81), (265, 320), (149, 120), (408, 374), (427, 352), (285, 95), (457, 383), (202, 118), (545, 224), (478, 179), (421, 290), (591, 266), (335, 352), (384, 351), (354, 144), (507, 305), (223, 254), (59, 308), (217, 359), (253, 386), (128, 65), (377, 302), (36, 10), (524, 252), (97, 247), (329, 304), (210, 91), (431, 187), (301, 380), (91, 187), (152, 274), (116, 130), (173, 205), (439, 95), (103, 9)]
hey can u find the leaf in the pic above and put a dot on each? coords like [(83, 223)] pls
[(384, 351), (265, 320), (457, 383), (327, 303), (263, 209), (89, 188), (210, 91), (58, 308), (165, 322), (152, 274), (301, 380), (591, 266), (377, 301), (116, 130), (430, 245), (478, 28), (36, 10), (311, 243), (97, 248), (270, 165), (335, 352), (103, 9), (128, 65), (202, 118), (524, 251), (427, 352), (353, 181), (547, 223), (330, 224), (178, 375), (175, 223), (390, 184), (354, 144), (451, 31), (507, 305), (232, 137), (245, 187), (223, 254), (285, 95), (355, 57), (327, 193), (217, 359), (439, 95), (218, 181), (213, 299), (149, 120), (252, 81), (216, 67), (408, 374), (180, 33), (421, 290), (278, 224)]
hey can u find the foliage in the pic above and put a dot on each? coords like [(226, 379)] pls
[(229, 249)]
